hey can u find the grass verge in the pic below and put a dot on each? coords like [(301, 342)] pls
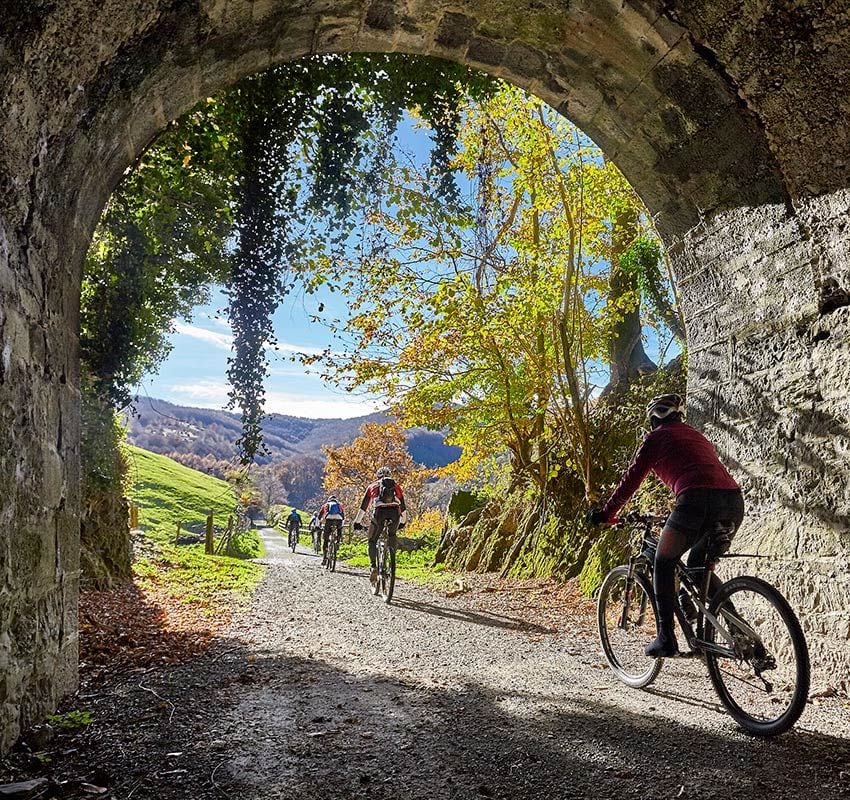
[(167, 493)]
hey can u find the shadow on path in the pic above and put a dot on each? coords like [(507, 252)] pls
[(487, 618), (356, 736)]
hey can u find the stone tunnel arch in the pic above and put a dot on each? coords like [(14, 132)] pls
[(722, 137)]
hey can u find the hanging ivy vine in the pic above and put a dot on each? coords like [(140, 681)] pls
[(306, 132)]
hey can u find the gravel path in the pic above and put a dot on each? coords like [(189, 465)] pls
[(431, 698), (323, 691)]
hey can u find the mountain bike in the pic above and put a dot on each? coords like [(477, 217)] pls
[(334, 540), (386, 563), (294, 530), (747, 633)]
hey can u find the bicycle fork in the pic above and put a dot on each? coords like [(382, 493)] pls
[(623, 623)]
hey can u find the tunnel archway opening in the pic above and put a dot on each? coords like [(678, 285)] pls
[(575, 236), (713, 155)]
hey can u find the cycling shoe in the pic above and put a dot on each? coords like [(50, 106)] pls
[(662, 647)]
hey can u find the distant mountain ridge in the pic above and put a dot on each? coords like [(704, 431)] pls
[(167, 428)]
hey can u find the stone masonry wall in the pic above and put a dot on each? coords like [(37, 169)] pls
[(722, 114), (767, 382)]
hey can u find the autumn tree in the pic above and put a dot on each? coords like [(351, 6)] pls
[(296, 480), (351, 468), (495, 321)]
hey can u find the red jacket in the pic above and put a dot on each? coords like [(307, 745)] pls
[(680, 456), (325, 510), (372, 493)]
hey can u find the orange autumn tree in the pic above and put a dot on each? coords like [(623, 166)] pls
[(349, 469)]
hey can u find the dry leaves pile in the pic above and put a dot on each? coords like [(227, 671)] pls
[(129, 627)]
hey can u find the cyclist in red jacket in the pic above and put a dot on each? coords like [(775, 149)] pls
[(388, 500), (708, 499)]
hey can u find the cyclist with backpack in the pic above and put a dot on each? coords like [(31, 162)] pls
[(388, 500), (331, 516), (708, 500)]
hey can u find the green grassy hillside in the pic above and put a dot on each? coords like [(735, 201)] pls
[(167, 493)]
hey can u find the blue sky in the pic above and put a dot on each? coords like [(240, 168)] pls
[(195, 372)]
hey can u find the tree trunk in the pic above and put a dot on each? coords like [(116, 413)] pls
[(627, 359)]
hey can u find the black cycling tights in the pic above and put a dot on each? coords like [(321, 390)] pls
[(671, 546)]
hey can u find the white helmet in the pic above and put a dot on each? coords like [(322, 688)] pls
[(383, 472), (664, 405)]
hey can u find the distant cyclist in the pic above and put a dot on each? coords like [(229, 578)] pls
[(293, 525), (331, 516), (708, 499), (388, 500), (293, 522), (316, 532)]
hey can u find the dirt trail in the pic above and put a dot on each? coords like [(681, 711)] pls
[(431, 698), (325, 692)]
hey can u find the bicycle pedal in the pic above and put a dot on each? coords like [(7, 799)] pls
[(687, 654)]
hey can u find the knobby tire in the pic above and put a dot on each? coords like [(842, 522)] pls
[(387, 576), (332, 549), (720, 678)]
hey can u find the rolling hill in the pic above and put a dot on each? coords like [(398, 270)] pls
[(164, 427)]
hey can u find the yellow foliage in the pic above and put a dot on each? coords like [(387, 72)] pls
[(350, 469)]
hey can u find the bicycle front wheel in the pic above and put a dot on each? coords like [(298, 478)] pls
[(764, 681), (625, 614)]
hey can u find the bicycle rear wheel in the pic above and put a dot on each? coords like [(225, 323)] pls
[(293, 540), (333, 544), (766, 684), (386, 572), (625, 614)]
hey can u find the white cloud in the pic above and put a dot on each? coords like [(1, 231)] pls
[(288, 347), (203, 393), (213, 394), (318, 407), (224, 341)]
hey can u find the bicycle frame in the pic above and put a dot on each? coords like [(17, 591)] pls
[(697, 591)]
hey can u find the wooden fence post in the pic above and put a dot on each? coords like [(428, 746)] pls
[(177, 536), (134, 516), (209, 539)]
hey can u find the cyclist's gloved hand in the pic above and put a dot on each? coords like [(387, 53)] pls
[(596, 517), (401, 525), (359, 527)]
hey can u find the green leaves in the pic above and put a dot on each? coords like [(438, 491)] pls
[(245, 190), (162, 238)]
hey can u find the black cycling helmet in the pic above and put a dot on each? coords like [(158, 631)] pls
[(663, 406)]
